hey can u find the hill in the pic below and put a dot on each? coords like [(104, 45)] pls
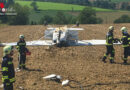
[(58, 6), (120, 0), (81, 64)]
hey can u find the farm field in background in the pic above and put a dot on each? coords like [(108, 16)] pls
[(58, 6)]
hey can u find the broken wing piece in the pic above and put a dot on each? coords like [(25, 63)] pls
[(49, 77), (33, 43), (65, 82), (91, 43)]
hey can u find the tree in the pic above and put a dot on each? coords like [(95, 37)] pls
[(22, 15), (123, 19), (46, 18), (8, 2), (0, 21), (128, 8), (4, 19), (88, 16), (34, 5), (60, 18)]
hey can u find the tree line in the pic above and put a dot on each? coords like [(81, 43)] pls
[(108, 4), (86, 16)]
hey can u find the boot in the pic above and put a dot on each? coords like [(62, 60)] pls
[(111, 61), (104, 59), (125, 62), (20, 67)]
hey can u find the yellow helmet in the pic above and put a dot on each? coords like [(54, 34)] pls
[(124, 29), (111, 28), (7, 49), (21, 36)]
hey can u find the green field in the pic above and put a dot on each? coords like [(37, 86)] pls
[(58, 6), (111, 0), (120, 0), (48, 8)]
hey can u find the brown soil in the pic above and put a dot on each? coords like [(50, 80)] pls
[(81, 64)]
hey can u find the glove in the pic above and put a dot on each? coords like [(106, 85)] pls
[(12, 80), (116, 40), (7, 82), (26, 50)]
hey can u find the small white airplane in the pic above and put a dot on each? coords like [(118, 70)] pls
[(61, 36)]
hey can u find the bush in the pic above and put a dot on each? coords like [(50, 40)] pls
[(22, 15), (88, 16), (60, 18), (47, 19), (123, 19), (34, 5)]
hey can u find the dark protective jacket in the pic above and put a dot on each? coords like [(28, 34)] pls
[(109, 39), (21, 46), (8, 73), (125, 40)]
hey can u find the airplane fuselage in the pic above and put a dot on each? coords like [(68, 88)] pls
[(60, 37)]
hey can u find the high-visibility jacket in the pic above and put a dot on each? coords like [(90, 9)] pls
[(125, 40), (109, 39), (8, 73), (21, 46)]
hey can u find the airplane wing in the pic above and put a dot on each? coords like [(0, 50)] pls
[(73, 35), (75, 29), (32, 43), (51, 28), (91, 43), (48, 34)]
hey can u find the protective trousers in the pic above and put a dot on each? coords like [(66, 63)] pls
[(111, 51), (126, 54), (22, 60), (8, 87)]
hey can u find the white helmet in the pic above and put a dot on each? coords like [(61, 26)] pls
[(124, 29), (111, 28), (7, 49), (21, 36)]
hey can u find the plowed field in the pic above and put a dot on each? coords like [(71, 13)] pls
[(80, 64)]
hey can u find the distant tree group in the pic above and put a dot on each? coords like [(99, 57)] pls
[(22, 17), (80, 2), (60, 18), (108, 4), (104, 4), (88, 16), (97, 3), (125, 6), (46, 19), (34, 5), (7, 3), (123, 19)]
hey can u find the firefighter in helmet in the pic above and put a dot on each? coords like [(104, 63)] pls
[(109, 45), (21, 46), (8, 73), (125, 43)]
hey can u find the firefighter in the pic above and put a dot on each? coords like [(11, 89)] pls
[(109, 45), (77, 23), (125, 43), (21, 46), (8, 73)]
